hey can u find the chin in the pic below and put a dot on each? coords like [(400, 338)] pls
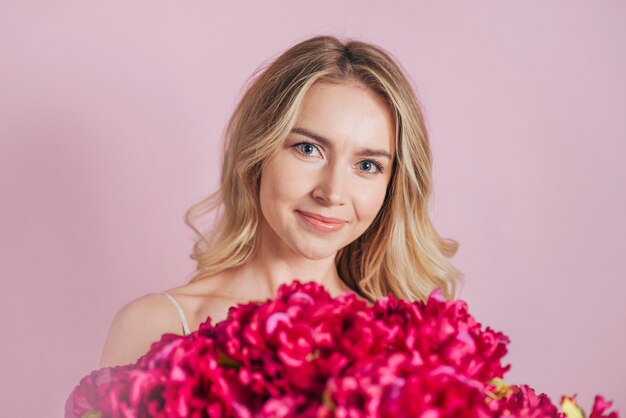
[(318, 253)]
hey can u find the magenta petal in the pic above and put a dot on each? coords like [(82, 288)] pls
[(271, 323)]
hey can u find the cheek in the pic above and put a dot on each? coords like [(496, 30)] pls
[(281, 185), (368, 204)]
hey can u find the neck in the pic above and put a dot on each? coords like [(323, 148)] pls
[(274, 265)]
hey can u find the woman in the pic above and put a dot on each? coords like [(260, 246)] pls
[(326, 177)]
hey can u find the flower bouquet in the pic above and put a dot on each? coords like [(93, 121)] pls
[(307, 354)]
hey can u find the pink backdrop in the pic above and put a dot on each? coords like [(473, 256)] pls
[(111, 118)]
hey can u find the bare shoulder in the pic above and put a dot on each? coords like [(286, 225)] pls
[(136, 326), (202, 300), (144, 320)]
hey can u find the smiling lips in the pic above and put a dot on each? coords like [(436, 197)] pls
[(321, 223)]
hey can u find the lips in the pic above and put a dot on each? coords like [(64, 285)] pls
[(322, 218), (321, 223)]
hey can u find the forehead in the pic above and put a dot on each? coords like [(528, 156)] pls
[(348, 113)]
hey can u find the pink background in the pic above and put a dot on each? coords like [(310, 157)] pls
[(111, 117)]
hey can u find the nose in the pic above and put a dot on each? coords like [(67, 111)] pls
[(330, 190)]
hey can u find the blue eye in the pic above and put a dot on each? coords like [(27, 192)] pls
[(306, 148), (366, 166)]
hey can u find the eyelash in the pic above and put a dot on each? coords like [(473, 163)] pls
[(376, 164)]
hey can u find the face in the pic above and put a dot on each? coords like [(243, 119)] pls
[(326, 184)]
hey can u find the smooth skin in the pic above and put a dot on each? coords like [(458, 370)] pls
[(337, 163)]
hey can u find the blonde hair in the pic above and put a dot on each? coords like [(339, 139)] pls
[(401, 252)]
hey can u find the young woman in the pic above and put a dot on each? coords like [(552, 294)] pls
[(326, 177)]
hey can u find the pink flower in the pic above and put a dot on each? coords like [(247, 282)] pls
[(523, 402), (396, 386), (600, 405), (442, 332), (306, 354), (179, 377), (90, 392)]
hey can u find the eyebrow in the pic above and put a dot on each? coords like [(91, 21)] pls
[(361, 152)]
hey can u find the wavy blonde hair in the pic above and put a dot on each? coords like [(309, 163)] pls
[(401, 252)]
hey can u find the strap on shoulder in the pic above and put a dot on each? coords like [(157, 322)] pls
[(181, 314)]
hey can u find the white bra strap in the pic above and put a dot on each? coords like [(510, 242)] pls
[(180, 312)]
